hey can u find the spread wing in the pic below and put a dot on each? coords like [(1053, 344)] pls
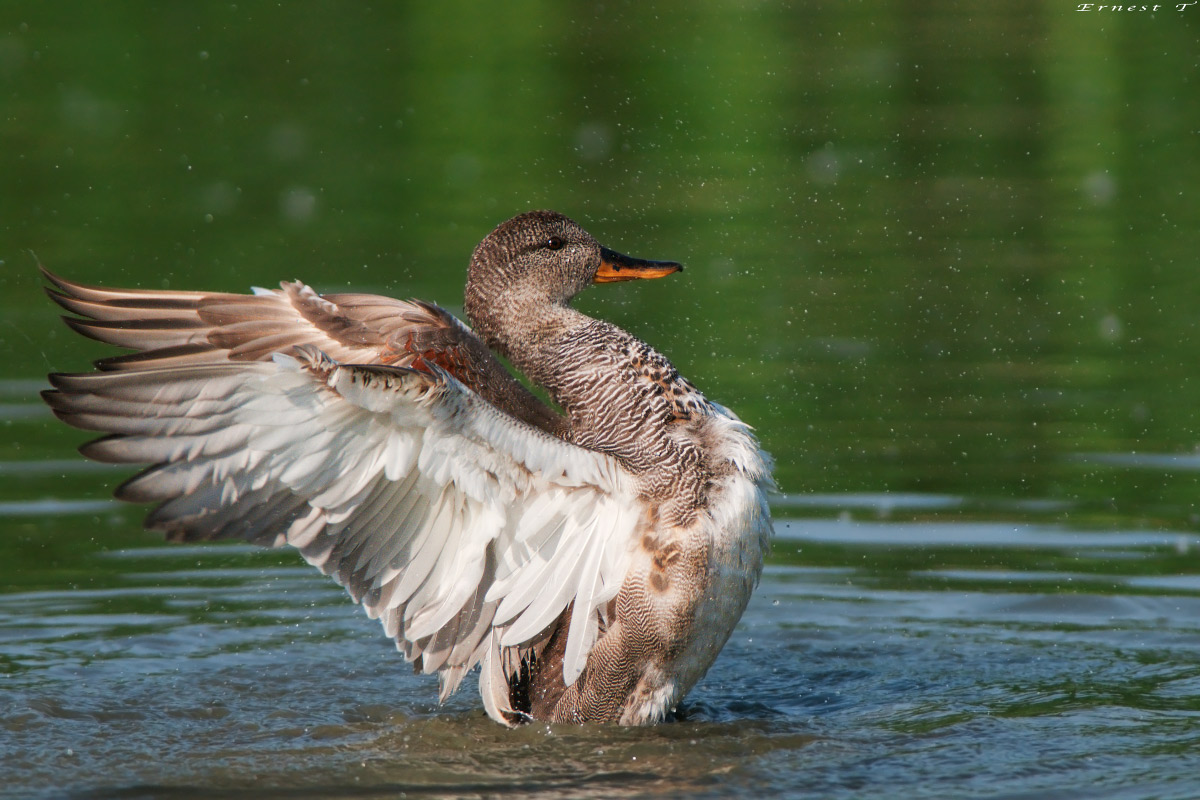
[(469, 533), (182, 328)]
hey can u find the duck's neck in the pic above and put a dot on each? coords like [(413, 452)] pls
[(540, 339)]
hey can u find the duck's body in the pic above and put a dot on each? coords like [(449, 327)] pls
[(593, 563)]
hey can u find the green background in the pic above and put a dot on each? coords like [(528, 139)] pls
[(931, 250)]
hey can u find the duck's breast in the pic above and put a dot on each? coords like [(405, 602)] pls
[(733, 531)]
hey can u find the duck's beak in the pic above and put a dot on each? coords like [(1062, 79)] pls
[(616, 266)]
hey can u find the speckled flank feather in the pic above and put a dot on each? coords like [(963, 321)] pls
[(593, 563)]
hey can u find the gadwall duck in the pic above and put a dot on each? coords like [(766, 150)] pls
[(593, 562)]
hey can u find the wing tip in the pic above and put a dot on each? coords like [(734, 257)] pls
[(136, 490), (84, 327), (58, 281), (104, 449), (66, 384), (61, 399)]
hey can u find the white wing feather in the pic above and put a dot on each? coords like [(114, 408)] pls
[(467, 532)]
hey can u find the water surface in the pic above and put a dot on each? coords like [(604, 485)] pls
[(977, 659)]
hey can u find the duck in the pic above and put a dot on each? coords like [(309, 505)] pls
[(590, 555)]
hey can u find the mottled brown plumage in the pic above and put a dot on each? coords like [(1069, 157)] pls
[(592, 562)]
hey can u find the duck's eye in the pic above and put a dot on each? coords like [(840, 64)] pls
[(554, 243)]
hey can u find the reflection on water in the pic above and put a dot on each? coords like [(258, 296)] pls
[(870, 657)]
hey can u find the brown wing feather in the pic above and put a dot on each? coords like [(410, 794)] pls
[(169, 329)]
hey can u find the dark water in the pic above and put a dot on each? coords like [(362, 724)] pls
[(943, 259)]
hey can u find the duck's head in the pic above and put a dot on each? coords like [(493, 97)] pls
[(541, 259)]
